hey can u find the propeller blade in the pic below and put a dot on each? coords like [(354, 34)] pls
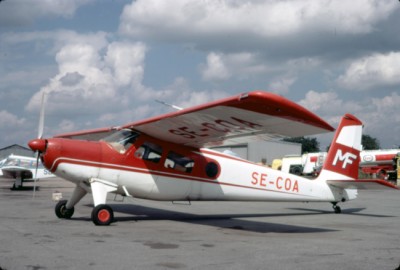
[(40, 135), (41, 119), (36, 170)]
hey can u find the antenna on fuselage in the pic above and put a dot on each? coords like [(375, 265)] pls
[(169, 105)]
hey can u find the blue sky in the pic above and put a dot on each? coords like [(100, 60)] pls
[(103, 63)]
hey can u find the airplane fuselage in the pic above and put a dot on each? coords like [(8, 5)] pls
[(208, 175)]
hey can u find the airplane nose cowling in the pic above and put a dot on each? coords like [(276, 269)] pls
[(38, 145)]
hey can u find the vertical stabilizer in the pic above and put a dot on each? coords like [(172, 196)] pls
[(343, 157)]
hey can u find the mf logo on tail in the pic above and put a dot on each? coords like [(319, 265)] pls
[(346, 158)]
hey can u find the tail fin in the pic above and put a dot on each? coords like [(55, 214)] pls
[(343, 156)]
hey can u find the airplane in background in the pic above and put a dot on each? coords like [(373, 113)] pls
[(22, 169), (166, 158)]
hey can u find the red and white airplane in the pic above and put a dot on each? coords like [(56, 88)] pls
[(165, 158)]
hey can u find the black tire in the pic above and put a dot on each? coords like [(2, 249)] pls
[(62, 211), (102, 215), (337, 209)]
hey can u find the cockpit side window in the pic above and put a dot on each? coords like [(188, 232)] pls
[(179, 162), (122, 140), (149, 151)]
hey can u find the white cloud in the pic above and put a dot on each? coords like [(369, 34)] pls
[(10, 120), (170, 20), (379, 115), (101, 83), (240, 65), (330, 106), (281, 85), (92, 71), (371, 72), (215, 68), (71, 78), (385, 113), (22, 12), (13, 127), (317, 100), (126, 62)]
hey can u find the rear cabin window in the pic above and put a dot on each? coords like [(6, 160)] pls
[(179, 162), (149, 151)]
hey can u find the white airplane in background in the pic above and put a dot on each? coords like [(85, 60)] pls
[(22, 169), (165, 158)]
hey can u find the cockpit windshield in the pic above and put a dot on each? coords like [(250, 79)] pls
[(122, 140)]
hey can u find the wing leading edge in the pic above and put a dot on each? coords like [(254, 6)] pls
[(237, 119)]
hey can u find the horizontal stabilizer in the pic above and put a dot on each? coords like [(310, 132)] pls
[(362, 184)]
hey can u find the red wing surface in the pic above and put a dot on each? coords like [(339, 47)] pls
[(238, 119)]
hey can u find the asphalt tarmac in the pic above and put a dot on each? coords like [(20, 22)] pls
[(203, 235)]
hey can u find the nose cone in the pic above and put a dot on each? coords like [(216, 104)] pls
[(38, 145)]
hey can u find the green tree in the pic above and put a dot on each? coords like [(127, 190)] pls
[(369, 143), (308, 145)]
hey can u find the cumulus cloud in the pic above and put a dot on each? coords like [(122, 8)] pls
[(210, 19), (126, 62), (100, 82), (13, 126), (281, 85), (371, 72), (10, 120), (92, 77), (222, 66), (378, 114), (330, 106), (215, 68), (181, 94), (71, 78), (22, 13)]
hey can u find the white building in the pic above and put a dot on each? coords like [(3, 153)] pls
[(268, 150)]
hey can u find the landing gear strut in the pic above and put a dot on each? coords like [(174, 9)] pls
[(336, 208)]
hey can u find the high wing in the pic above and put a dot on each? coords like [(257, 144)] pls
[(237, 119)]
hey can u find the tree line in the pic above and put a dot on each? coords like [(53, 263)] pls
[(311, 145)]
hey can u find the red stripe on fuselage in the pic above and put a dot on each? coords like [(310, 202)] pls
[(159, 173)]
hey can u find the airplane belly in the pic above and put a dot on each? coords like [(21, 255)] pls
[(139, 184), (170, 188), (75, 172)]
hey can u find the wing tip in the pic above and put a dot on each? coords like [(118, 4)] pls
[(282, 106)]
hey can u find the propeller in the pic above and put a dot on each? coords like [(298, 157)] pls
[(39, 145)]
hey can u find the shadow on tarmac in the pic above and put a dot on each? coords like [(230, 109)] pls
[(348, 211), (223, 221)]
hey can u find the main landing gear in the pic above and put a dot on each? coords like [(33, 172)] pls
[(336, 208), (102, 214)]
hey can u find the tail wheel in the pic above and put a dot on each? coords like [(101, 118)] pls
[(102, 215), (336, 208), (62, 211)]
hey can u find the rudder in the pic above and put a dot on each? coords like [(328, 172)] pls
[(343, 157)]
